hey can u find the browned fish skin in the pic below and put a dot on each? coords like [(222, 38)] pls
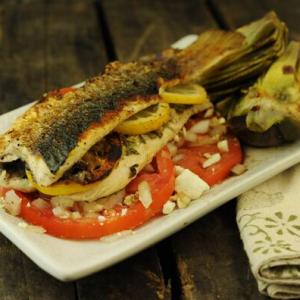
[(56, 132), (59, 127)]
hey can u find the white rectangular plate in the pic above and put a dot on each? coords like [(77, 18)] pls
[(70, 260)]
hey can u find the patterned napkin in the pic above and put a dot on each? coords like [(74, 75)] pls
[(268, 218)]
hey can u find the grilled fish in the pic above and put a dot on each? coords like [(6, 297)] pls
[(142, 150), (56, 132), (59, 130)]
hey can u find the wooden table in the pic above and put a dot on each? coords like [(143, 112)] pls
[(51, 44)]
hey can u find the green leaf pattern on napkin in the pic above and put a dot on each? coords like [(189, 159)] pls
[(270, 231), (268, 218)]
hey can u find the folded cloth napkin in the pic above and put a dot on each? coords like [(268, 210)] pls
[(268, 218)]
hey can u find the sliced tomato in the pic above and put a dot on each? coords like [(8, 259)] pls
[(162, 187), (193, 159)]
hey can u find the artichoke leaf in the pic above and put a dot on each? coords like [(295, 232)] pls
[(264, 41), (272, 103), (281, 74)]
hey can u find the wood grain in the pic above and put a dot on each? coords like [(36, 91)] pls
[(136, 278), (22, 79), (211, 262), (46, 45), (236, 13), (22, 51), (74, 48), (142, 27)]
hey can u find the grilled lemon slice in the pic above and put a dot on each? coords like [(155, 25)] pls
[(146, 120), (183, 94), (64, 187)]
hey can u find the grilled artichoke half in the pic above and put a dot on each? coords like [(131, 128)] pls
[(264, 41), (269, 113)]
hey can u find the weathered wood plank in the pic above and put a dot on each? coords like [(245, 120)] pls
[(141, 27), (236, 13), (75, 48), (21, 279), (72, 49), (42, 49), (136, 278), (22, 79), (22, 67), (211, 261)]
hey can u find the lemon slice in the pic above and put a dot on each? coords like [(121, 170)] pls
[(184, 94), (64, 187), (146, 120)]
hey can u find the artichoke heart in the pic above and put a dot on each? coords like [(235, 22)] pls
[(269, 113), (263, 41)]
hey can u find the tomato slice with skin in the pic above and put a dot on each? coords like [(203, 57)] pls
[(162, 187), (193, 158)]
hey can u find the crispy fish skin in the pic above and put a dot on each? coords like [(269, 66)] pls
[(57, 131), (143, 154)]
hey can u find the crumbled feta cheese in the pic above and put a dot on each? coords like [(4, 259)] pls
[(101, 219), (178, 170), (238, 169), (207, 155), (183, 200), (191, 136), (129, 199), (216, 157), (76, 215), (172, 148), (145, 194), (40, 203), (90, 207), (191, 185), (201, 127), (12, 203), (168, 207), (124, 212), (178, 157), (223, 146), (60, 212)]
